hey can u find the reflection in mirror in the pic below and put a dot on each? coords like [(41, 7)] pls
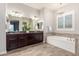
[(14, 25), (27, 26), (39, 25), (11, 28)]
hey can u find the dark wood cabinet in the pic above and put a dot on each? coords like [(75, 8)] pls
[(21, 39), (11, 42)]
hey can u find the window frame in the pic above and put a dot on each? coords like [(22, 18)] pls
[(73, 21)]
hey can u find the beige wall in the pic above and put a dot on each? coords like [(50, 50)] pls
[(48, 16)]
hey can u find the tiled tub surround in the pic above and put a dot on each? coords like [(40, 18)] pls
[(67, 41)]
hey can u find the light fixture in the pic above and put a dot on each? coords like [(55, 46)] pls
[(15, 13), (35, 18)]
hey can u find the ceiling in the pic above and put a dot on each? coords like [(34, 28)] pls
[(52, 6)]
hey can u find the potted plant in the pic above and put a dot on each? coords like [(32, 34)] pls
[(26, 27)]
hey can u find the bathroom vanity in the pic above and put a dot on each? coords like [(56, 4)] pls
[(16, 40)]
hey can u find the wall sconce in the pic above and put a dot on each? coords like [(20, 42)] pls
[(34, 18)]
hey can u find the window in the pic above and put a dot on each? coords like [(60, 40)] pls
[(66, 21), (60, 22)]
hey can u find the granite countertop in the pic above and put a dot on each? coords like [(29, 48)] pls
[(24, 32)]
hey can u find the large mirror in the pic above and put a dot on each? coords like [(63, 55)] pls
[(15, 24), (38, 25)]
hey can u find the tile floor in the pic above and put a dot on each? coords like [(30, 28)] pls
[(40, 49)]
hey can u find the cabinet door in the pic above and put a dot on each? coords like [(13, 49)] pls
[(38, 37), (31, 39), (11, 42), (22, 40), (35, 38)]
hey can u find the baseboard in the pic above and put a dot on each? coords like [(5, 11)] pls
[(4, 52)]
